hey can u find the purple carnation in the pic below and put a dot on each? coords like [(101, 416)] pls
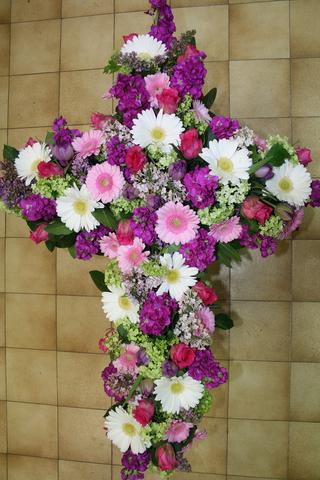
[(143, 224), (155, 314), (165, 26), (199, 252), (224, 127), (201, 186), (268, 246), (169, 369), (12, 188), (315, 193), (117, 384), (116, 151), (36, 208), (138, 462), (87, 243), (188, 76), (206, 368)]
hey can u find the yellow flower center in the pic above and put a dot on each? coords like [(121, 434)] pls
[(285, 184), (176, 222), (173, 276), (129, 429), (225, 164), (34, 165), (104, 182), (80, 207), (158, 134), (176, 388), (124, 303)]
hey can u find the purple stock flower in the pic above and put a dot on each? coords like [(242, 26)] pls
[(117, 384), (206, 368), (138, 462), (165, 26), (79, 168), (199, 252), (129, 475), (12, 188), (315, 193), (63, 138), (143, 224), (188, 76), (247, 240), (224, 127), (36, 208), (87, 243), (268, 246), (201, 186), (177, 170), (169, 369), (116, 151), (291, 225), (155, 314)]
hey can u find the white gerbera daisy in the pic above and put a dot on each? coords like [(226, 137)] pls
[(75, 209), (163, 130), (178, 278), (227, 161), (117, 305), (145, 46), (124, 431), (28, 160), (176, 393), (290, 183)]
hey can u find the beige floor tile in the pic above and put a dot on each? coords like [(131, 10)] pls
[(130, 22), (2, 264), (5, 11), (218, 77), (305, 132), (74, 8), (32, 430), (4, 49), (87, 427), (269, 126), (83, 471), (18, 137), (310, 228), (3, 390), (304, 460), (195, 3), (32, 376), (3, 427), (2, 224), (257, 448), (4, 83), (26, 10), (176, 476), (305, 83), (3, 465), (305, 42), (31, 468), (131, 5), (2, 320), (220, 397), (306, 264), (3, 141), (16, 227), (218, 278), (305, 332), (220, 343), (304, 402)]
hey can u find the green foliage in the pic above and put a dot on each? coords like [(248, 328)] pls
[(227, 252), (49, 138), (98, 280), (223, 321), (210, 97), (10, 153), (105, 217), (276, 155), (57, 228)]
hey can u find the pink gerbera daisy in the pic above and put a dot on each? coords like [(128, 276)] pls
[(109, 245), (105, 182), (131, 256), (178, 431), (200, 111), (155, 84), (226, 231), (176, 223), (128, 359), (206, 316), (88, 144)]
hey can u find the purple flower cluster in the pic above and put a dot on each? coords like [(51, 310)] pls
[(132, 95), (155, 314), (268, 246), (315, 193), (199, 252), (63, 138), (34, 208), (224, 127), (188, 76), (253, 241), (80, 168), (206, 368), (12, 188), (116, 151), (143, 224), (201, 187), (165, 26), (169, 369), (117, 384), (129, 475), (87, 243), (178, 169), (138, 462)]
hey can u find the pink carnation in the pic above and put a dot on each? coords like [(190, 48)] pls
[(226, 231), (178, 431), (131, 256), (109, 245), (105, 182), (89, 144), (207, 318), (155, 84), (177, 223)]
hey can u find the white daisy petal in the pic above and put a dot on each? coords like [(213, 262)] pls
[(145, 46), (179, 277), (117, 305), (176, 393), (28, 160)]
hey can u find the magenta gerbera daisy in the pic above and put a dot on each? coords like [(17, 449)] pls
[(177, 223), (226, 231), (89, 144), (105, 182), (131, 256)]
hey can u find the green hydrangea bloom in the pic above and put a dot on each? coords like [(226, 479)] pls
[(211, 215), (189, 120), (272, 227), (53, 187), (113, 344), (121, 206), (185, 106), (153, 269), (230, 195), (204, 404), (16, 211), (155, 432), (112, 273), (162, 159), (273, 139)]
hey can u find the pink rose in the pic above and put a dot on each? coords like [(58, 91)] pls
[(166, 458), (98, 120), (191, 143), (182, 355), (191, 51), (254, 209), (128, 37), (49, 169), (178, 431), (135, 159), (40, 234), (125, 233), (304, 155), (207, 295), (168, 100), (144, 412)]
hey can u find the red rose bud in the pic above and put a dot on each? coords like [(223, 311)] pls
[(191, 51), (40, 234), (166, 458), (98, 120), (49, 169), (191, 143), (168, 100), (207, 294), (304, 155), (31, 141), (125, 233), (182, 355), (254, 209), (135, 159), (129, 37), (144, 412)]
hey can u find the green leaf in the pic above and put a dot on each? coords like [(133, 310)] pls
[(209, 136), (49, 140), (105, 217), (72, 251), (98, 280), (50, 245), (66, 241), (57, 228), (32, 225), (123, 334), (10, 153), (226, 253), (112, 65), (223, 321), (210, 97), (275, 156)]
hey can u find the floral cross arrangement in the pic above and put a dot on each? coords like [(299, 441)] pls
[(163, 188)]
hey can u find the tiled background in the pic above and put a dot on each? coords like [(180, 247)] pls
[(264, 57)]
